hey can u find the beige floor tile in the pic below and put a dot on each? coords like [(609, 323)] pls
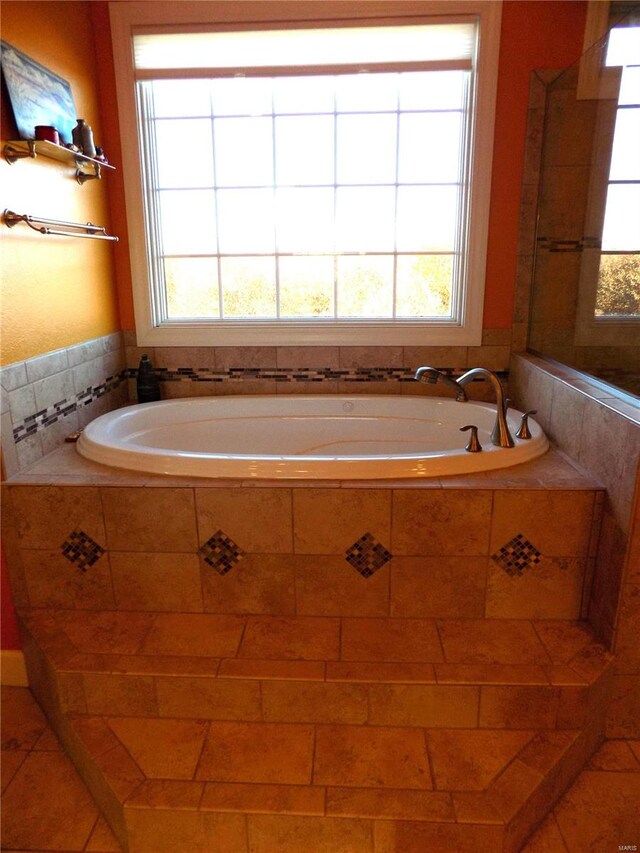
[(479, 673), (423, 837), (293, 834), (180, 794), (120, 694), (102, 839), (10, 761), (389, 673), (22, 720), (281, 670), (170, 831), (105, 632), (373, 757), (163, 749), (257, 752), (221, 699), (193, 634), (263, 799), (475, 807), (615, 755), (600, 811), (303, 638), (48, 742), (514, 707), (47, 806), (563, 640), (390, 640), (259, 583), (313, 702), (438, 587), (437, 705), (491, 641), (258, 520), (470, 760), (390, 803), (546, 839)]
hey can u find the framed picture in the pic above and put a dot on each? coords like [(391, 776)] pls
[(37, 95)]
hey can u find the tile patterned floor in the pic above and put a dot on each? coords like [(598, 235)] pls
[(598, 814)]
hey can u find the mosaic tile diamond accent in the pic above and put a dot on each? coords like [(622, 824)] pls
[(80, 549), (367, 555), (517, 555), (221, 552)]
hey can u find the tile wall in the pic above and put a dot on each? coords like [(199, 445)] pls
[(429, 552), (195, 371), (601, 431), (46, 398)]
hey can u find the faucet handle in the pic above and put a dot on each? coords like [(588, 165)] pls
[(523, 430), (474, 445)]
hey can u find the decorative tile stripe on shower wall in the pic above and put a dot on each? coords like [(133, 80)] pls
[(552, 245)]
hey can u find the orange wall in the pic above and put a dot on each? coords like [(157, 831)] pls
[(56, 291), (54, 297), (535, 34)]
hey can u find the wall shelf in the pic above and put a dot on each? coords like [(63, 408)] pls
[(87, 168)]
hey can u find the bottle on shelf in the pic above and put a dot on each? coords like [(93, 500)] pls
[(82, 136)]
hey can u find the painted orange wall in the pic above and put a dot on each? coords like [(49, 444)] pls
[(56, 291), (535, 34)]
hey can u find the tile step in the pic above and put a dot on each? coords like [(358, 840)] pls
[(184, 785), (457, 682)]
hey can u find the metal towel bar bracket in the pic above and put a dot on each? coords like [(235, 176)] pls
[(58, 227)]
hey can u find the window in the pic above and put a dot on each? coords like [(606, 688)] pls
[(307, 185), (618, 291)]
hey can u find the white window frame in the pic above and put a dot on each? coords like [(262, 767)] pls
[(126, 17)]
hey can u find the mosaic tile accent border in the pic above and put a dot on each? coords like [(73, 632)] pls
[(546, 243), (367, 555), (304, 374), (517, 555), (47, 417), (81, 550), (221, 552), (52, 414)]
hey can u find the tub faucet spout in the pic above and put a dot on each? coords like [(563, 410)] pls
[(431, 375), (500, 435)]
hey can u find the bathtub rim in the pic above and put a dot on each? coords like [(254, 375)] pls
[(292, 467)]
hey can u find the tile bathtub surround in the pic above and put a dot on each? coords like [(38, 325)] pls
[(600, 429), (47, 397), (304, 550)]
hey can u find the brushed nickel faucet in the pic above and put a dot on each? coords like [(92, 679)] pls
[(500, 435)]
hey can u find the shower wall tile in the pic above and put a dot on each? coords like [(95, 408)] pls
[(318, 357), (46, 365)]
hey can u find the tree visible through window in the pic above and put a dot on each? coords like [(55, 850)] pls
[(618, 293)]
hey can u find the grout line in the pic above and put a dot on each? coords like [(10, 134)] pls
[(197, 766)]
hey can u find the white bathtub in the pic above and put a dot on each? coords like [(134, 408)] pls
[(303, 437)]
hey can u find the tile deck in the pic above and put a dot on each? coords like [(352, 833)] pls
[(377, 734)]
